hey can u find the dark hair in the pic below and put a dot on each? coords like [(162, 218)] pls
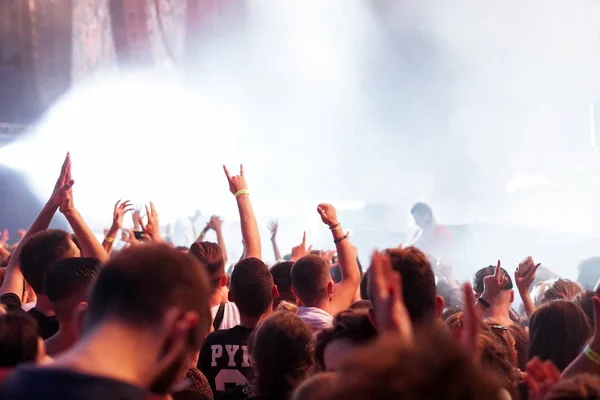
[(478, 285), (140, 284), (282, 277), (18, 339), (354, 326), (558, 330), (281, 350), (40, 252), (578, 387), (585, 300), (310, 277), (421, 209), (433, 367), (521, 337), (364, 285), (589, 272), (252, 287), (418, 282), (210, 256), (70, 279), (561, 289)]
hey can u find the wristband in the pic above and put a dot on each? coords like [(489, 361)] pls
[(241, 192), (335, 227), (109, 239), (340, 239), (484, 302), (592, 355)]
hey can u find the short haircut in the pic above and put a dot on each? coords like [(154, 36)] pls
[(421, 209), (561, 289), (18, 339), (478, 285), (282, 277), (558, 330), (350, 325), (211, 258), (310, 277), (418, 282), (40, 252), (140, 284), (252, 287), (69, 281)]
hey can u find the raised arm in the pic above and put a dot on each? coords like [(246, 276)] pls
[(118, 214), (215, 224), (13, 280), (90, 247), (151, 229), (250, 234), (524, 277), (273, 227), (3, 245), (345, 290)]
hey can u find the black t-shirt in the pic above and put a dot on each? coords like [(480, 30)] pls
[(224, 358), (48, 326), (31, 382)]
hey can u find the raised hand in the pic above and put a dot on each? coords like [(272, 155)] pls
[(494, 284), (391, 314), (541, 377), (4, 238), (273, 227), (128, 236), (215, 223), (137, 219), (470, 330), (121, 208), (328, 214), (525, 274), (300, 251), (237, 183), (21, 233), (152, 228), (63, 184), (194, 218)]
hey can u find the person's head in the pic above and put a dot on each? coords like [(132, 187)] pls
[(589, 273), (19, 340), (282, 276), (506, 296), (433, 367), (561, 289), (311, 281), (585, 300), (423, 215), (157, 294), (252, 288), (558, 330), (282, 356), (578, 387), (333, 345), (521, 337), (41, 251), (210, 257), (497, 357), (418, 284), (318, 386), (69, 282)]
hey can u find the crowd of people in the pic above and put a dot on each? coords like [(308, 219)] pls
[(81, 320)]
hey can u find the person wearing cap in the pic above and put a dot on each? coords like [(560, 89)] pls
[(494, 293)]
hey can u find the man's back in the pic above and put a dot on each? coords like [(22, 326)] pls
[(224, 358), (54, 383)]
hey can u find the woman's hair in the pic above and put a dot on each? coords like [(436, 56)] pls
[(433, 367), (350, 325), (585, 300), (521, 337), (498, 357), (18, 339), (561, 289), (282, 355), (558, 330)]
